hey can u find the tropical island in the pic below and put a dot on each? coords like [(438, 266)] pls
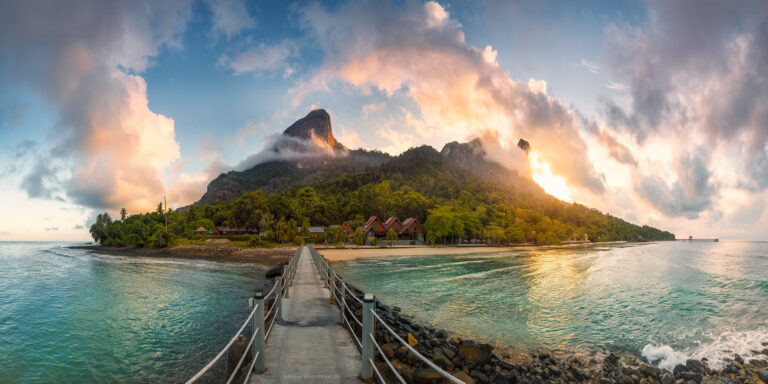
[(306, 186)]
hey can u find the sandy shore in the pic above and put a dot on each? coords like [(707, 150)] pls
[(216, 253), (341, 254)]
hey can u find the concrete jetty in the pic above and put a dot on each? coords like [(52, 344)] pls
[(308, 345)]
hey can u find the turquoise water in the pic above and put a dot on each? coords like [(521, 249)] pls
[(72, 317), (666, 301)]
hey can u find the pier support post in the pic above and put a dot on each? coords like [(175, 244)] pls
[(279, 299), (258, 325), (366, 371)]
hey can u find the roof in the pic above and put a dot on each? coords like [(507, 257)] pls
[(408, 223), (201, 229), (391, 221), (316, 230), (368, 226)]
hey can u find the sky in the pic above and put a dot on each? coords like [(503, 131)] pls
[(652, 111)]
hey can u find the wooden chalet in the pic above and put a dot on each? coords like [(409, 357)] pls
[(348, 228), (393, 223), (411, 229), (374, 227)]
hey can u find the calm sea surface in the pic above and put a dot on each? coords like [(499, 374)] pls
[(666, 301), (72, 317)]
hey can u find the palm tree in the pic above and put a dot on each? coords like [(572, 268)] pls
[(123, 214)]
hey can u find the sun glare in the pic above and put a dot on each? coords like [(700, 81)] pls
[(542, 175)]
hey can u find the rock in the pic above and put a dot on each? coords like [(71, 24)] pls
[(691, 376), (649, 371), (478, 354), (461, 375), (447, 352), (679, 369), (611, 359), (500, 379), (389, 350), (442, 361), (709, 380), (667, 379), (763, 375), (695, 365), (402, 368), (739, 359), (481, 377), (427, 376), (275, 271)]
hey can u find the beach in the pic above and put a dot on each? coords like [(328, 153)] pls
[(352, 252)]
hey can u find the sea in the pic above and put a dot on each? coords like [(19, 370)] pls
[(71, 316), (665, 301)]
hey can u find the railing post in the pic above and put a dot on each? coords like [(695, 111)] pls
[(332, 285), (287, 275), (279, 299), (366, 371), (258, 326), (343, 297)]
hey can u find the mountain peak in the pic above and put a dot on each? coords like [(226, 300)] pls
[(318, 123)]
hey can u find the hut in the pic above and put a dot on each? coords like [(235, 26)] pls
[(346, 226), (201, 230), (374, 227), (393, 223), (411, 229)]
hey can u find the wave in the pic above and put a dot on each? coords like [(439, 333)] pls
[(664, 356), (718, 351)]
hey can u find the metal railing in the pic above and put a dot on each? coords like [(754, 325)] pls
[(366, 341), (257, 318)]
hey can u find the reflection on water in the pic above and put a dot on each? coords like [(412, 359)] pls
[(70, 316), (697, 298)]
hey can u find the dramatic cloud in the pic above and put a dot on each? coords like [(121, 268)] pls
[(696, 68), (692, 192), (230, 17), (83, 57), (262, 60), (460, 90)]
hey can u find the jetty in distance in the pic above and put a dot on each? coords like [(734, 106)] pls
[(691, 239)]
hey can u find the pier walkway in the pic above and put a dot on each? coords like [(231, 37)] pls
[(308, 345), (313, 328)]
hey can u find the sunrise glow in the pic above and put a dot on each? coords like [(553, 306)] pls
[(542, 175)]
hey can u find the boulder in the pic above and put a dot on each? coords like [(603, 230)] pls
[(763, 375), (442, 361), (667, 379), (478, 354), (695, 365), (463, 376), (427, 376)]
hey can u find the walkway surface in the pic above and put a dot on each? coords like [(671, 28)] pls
[(308, 346)]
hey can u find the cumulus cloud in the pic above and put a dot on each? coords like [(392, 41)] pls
[(420, 51), (691, 193), (84, 57), (229, 17), (283, 147), (696, 68), (263, 59)]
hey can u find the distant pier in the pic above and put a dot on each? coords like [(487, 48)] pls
[(691, 239)]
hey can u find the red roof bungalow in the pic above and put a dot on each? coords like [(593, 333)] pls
[(374, 227), (201, 230), (393, 223), (348, 227), (411, 229)]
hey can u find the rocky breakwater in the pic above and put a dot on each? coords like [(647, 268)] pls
[(474, 362)]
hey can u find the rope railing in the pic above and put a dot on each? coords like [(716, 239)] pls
[(366, 342), (256, 317)]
